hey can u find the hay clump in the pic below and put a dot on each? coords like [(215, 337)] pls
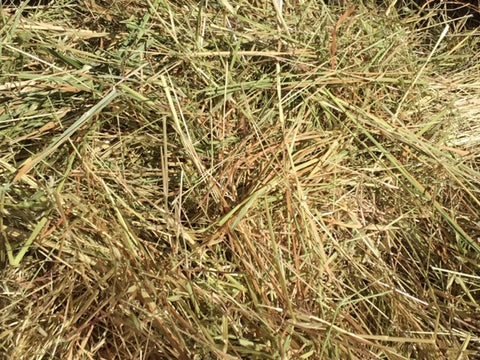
[(237, 180)]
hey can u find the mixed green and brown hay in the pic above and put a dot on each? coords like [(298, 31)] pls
[(238, 180)]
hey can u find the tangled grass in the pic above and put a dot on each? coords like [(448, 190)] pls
[(238, 180)]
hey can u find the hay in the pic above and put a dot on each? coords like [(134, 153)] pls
[(238, 180)]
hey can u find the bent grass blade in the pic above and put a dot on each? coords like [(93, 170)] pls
[(15, 260)]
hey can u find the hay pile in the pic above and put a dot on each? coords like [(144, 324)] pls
[(238, 180)]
